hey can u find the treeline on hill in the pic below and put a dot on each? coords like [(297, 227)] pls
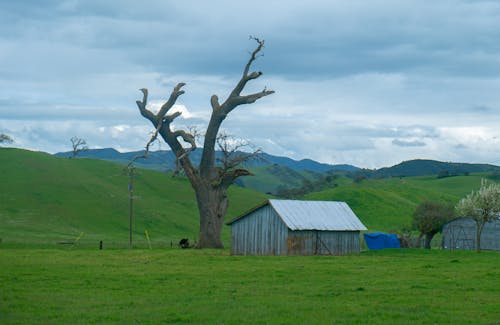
[(330, 180), (322, 182)]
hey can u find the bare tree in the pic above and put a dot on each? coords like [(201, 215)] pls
[(4, 138), (233, 152), (78, 145), (209, 181)]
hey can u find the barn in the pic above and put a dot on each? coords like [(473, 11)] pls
[(293, 227), (460, 233)]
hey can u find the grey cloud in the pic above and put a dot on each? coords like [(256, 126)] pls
[(439, 41), (408, 143), (482, 109), (351, 76)]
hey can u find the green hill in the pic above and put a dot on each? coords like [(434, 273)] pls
[(45, 200), (268, 179), (388, 204)]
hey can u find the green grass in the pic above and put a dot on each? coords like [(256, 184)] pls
[(388, 204), (83, 286), (46, 199)]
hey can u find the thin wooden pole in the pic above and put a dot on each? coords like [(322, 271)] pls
[(131, 192)]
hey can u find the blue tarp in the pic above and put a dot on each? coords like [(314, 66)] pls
[(379, 240)]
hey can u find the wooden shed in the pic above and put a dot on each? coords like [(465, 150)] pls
[(460, 233), (292, 227)]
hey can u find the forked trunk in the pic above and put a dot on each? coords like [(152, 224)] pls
[(209, 182), (212, 204)]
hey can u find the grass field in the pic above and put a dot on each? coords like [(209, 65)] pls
[(173, 286)]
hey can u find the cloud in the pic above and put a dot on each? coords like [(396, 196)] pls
[(408, 143), (353, 80)]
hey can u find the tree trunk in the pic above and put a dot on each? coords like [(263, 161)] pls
[(479, 230), (419, 240), (428, 239), (212, 204)]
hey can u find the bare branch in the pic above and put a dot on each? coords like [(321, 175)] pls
[(170, 118), (189, 138), (231, 150), (220, 111), (254, 54), (249, 99), (214, 101), (142, 105), (79, 145), (227, 178), (247, 77), (171, 100)]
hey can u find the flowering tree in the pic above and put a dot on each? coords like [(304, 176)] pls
[(482, 206)]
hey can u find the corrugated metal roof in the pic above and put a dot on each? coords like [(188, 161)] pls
[(316, 215)]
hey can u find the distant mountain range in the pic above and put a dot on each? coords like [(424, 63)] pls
[(164, 160)]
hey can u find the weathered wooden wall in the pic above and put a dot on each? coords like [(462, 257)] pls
[(314, 242), (461, 234), (262, 232)]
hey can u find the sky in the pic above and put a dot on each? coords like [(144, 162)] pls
[(367, 83)]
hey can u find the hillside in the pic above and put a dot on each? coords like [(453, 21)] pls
[(388, 204), (422, 167), (45, 199)]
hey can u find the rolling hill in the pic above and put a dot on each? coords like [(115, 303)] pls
[(422, 167), (388, 204), (45, 199), (273, 172)]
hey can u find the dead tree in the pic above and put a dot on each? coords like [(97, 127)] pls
[(209, 180), (4, 138), (78, 145)]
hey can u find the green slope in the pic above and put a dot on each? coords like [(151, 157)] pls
[(45, 199), (388, 204), (268, 179)]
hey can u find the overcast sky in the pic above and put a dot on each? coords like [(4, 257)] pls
[(368, 83)]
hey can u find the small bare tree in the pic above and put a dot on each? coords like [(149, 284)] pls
[(4, 138), (209, 180), (78, 145), (234, 152)]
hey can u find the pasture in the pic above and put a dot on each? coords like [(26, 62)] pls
[(174, 286)]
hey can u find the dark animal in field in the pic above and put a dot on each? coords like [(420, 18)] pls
[(184, 243)]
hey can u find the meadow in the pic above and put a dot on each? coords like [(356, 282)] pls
[(175, 286)]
